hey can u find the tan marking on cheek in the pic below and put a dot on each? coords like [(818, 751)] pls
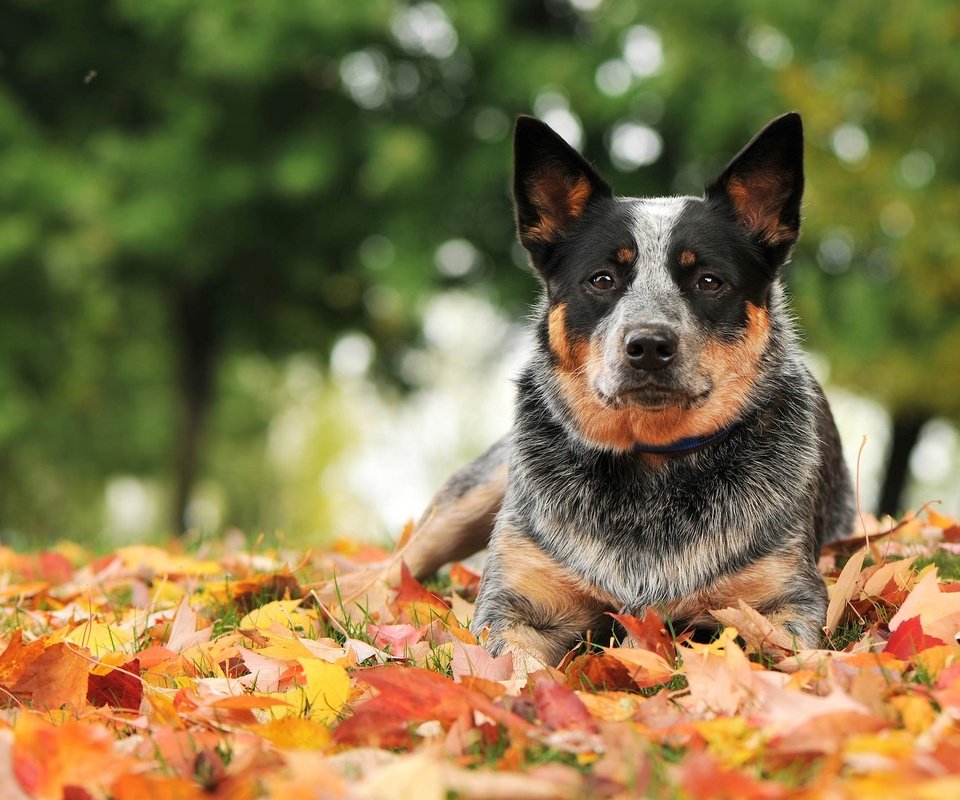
[(760, 585), (688, 258), (732, 368), (626, 256), (557, 329)]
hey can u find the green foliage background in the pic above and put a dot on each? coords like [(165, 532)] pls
[(192, 192)]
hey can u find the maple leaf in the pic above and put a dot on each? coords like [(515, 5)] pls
[(558, 707), (396, 639), (471, 659), (939, 611), (421, 605), (599, 671), (58, 677), (649, 633), (410, 694), (47, 759), (121, 687), (909, 639)]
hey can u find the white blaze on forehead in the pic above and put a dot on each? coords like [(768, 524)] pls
[(653, 222)]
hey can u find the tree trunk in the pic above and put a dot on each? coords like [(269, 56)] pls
[(196, 336), (905, 430)]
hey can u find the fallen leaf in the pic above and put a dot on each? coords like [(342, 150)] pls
[(121, 687), (471, 659), (843, 590), (908, 639)]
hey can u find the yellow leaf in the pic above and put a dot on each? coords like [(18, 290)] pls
[(292, 733), (101, 638), (733, 741), (163, 563), (612, 706), (323, 693), (916, 712), (326, 688), (934, 660), (278, 612)]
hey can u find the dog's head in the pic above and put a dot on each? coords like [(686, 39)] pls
[(658, 309)]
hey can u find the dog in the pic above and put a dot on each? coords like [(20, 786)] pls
[(670, 448)]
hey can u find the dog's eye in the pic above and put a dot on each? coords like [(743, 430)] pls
[(709, 283), (603, 281)]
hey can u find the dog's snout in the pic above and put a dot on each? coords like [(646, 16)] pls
[(650, 348)]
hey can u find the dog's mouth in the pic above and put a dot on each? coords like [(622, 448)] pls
[(652, 398)]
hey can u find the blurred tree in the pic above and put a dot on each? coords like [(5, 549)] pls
[(182, 183)]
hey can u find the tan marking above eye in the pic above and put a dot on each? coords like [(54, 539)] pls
[(688, 258), (626, 255)]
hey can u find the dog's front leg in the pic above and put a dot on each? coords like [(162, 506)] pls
[(459, 520), (531, 605)]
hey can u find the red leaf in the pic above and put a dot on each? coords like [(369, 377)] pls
[(119, 688), (413, 594), (599, 672), (408, 695), (649, 633), (55, 567), (464, 579), (558, 707), (909, 639)]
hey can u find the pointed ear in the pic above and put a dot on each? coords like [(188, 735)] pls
[(552, 186), (763, 186)]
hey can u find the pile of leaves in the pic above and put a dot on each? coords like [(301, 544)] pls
[(150, 673)]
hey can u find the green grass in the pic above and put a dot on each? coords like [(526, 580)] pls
[(948, 564)]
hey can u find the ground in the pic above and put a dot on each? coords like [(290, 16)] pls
[(235, 672)]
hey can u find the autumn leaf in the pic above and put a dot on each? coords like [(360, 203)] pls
[(46, 759), (120, 687), (649, 633), (420, 605)]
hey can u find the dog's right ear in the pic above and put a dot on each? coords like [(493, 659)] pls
[(552, 186)]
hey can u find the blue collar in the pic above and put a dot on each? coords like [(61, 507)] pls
[(683, 446)]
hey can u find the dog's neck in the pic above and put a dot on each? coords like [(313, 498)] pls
[(681, 447)]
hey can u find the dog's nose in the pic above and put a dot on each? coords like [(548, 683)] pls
[(650, 348)]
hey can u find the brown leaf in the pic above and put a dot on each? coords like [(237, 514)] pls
[(843, 590), (59, 676), (649, 633), (756, 630), (599, 672)]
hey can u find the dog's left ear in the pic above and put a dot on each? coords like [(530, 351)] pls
[(552, 187), (763, 186)]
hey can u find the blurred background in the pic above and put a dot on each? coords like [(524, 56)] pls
[(257, 265)]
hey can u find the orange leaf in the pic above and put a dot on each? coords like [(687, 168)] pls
[(597, 672), (18, 656), (408, 695), (58, 677), (137, 787), (649, 633), (46, 759), (422, 605)]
